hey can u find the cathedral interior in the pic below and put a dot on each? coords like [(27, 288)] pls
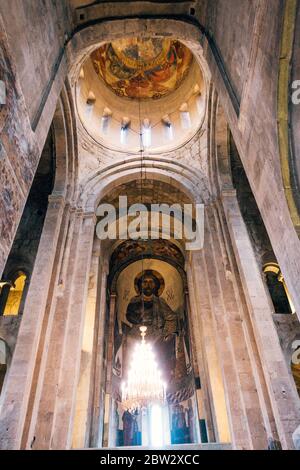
[(167, 103)]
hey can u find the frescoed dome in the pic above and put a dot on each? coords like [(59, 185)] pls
[(147, 68)]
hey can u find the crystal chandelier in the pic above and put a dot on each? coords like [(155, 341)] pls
[(144, 385)]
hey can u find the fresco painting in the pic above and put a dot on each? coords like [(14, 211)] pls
[(142, 68)]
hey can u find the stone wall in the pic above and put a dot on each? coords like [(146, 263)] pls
[(36, 33), (232, 24), (295, 115), (23, 252), (254, 123), (241, 47), (32, 94)]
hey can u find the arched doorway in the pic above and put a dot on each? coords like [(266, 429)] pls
[(187, 419)]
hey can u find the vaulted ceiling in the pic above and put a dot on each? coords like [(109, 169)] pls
[(142, 67)]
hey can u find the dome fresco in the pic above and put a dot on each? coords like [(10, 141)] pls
[(145, 68)]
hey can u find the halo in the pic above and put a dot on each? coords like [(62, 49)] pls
[(150, 272)]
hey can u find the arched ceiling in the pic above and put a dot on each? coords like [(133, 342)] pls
[(148, 191), (145, 68), (149, 87)]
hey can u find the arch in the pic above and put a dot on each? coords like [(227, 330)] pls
[(89, 37), (191, 181), (277, 288), (116, 268), (219, 156), (80, 46), (14, 296), (65, 145)]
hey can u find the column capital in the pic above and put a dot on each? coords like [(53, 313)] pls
[(230, 192), (90, 215), (55, 201), (56, 198)]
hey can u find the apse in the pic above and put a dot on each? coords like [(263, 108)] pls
[(149, 282)]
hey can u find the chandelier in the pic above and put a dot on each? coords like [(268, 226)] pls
[(144, 385)]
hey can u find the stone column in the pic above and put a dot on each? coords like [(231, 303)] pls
[(239, 371), (96, 431), (4, 293), (82, 418), (44, 404), (282, 391), (70, 360), (24, 295), (204, 398), (107, 437), (17, 390), (199, 281)]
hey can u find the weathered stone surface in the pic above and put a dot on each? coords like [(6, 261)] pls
[(43, 44)]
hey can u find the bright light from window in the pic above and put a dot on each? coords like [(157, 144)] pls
[(2, 352), (169, 132), (157, 433), (199, 104), (105, 124), (123, 135), (185, 120), (146, 136), (89, 110)]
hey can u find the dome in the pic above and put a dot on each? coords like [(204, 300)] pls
[(149, 89), (145, 68)]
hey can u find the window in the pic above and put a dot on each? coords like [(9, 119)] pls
[(89, 110), (15, 295), (124, 130), (278, 290), (185, 116), (105, 124), (80, 80), (168, 128), (90, 103), (199, 104), (156, 420), (146, 133), (169, 132), (3, 362), (185, 120), (105, 120), (123, 135)]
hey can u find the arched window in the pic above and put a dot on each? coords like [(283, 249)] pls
[(105, 120), (168, 128), (3, 362), (90, 103), (80, 80), (277, 288), (200, 104), (124, 130), (185, 117), (146, 133), (14, 298)]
